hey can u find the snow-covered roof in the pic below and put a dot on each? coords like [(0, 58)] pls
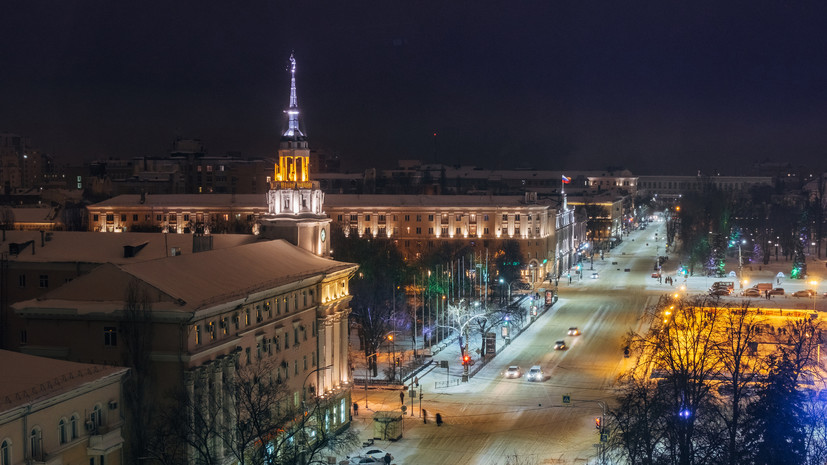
[(381, 200), (184, 201), (188, 283), (98, 247), (27, 378), (34, 214)]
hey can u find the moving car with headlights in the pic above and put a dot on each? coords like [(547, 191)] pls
[(512, 372), (776, 291), (535, 373), (560, 345), (573, 331)]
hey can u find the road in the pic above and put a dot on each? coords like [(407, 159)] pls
[(492, 420)]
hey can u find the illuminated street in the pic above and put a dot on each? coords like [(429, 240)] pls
[(491, 418)]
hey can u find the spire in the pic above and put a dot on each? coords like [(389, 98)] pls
[(293, 131)]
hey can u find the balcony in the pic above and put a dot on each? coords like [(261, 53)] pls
[(104, 441)]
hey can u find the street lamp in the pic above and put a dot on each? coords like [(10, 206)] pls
[(815, 292), (502, 281)]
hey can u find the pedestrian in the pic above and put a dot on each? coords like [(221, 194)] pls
[(355, 409), (402, 396), (424, 416), (439, 419), (387, 458)]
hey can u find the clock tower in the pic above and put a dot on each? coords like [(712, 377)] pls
[(295, 204)]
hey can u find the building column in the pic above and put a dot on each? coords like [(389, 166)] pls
[(322, 354), (330, 353)]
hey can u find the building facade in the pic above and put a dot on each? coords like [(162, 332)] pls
[(55, 412), (209, 314)]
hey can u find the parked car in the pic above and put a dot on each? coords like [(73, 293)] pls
[(512, 372), (560, 345), (573, 331), (719, 291), (535, 373), (777, 291), (804, 293), (369, 456), (654, 275), (751, 292)]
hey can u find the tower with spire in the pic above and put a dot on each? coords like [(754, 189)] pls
[(294, 202)]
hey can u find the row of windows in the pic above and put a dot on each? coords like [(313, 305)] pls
[(171, 217), (458, 217), (262, 311), (67, 430), (43, 280)]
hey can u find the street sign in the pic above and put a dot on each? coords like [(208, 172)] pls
[(604, 438), (443, 363), (566, 398)]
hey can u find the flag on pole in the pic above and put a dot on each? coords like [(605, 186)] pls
[(566, 180)]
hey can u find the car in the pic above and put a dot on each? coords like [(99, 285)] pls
[(369, 456), (656, 275), (595, 275), (512, 372), (776, 291), (719, 291), (573, 331), (626, 270), (751, 292), (535, 373), (804, 293), (560, 345)]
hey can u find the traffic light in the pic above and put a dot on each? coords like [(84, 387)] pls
[(466, 359), (390, 337), (597, 423)]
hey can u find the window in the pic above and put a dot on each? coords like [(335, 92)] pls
[(295, 367), (97, 415), (485, 218), (235, 320), (367, 217), (430, 230), (246, 317), (211, 330), (34, 443), (407, 217), (44, 280), (430, 217), (134, 217), (444, 230), (61, 431), (286, 340), (367, 231), (110, 217), (186, 217), (418, 217), (110, 336), (459, 217), (24, 336), (505, 217), (381, 217), (295, 336), (95, 217), (197, 329), (157, 217), (247, 352), (419, 230), (224, 326), (73, 426), (305, 363), (354, 217), (5, 452), (123, 217), (517, 230), (21, 280)]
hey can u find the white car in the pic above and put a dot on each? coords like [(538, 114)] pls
[(369, 456), (573, 331), (535, 373), (512, 372), (595, 275)]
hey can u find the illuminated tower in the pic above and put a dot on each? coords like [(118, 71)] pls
[(295, 203)]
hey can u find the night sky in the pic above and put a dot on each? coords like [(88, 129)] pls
[(656, 86)]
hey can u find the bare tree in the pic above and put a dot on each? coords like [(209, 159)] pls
[(6, 219), (136, 332), (254, 418)]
